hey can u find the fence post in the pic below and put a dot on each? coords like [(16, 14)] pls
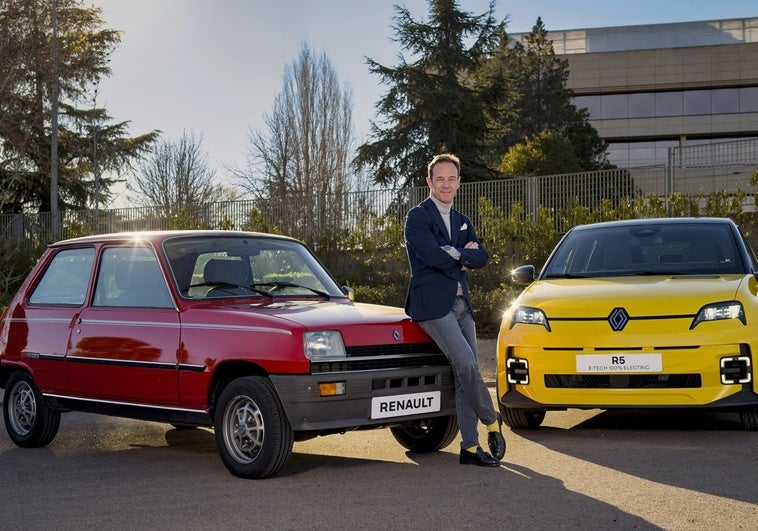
[(534, 197), (669, 184)]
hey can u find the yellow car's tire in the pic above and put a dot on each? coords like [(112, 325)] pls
[(749, 418), (522, 418)]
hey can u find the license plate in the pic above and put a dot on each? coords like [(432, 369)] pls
[(619, 363), (383, 407)]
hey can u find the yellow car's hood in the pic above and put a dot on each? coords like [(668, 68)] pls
[(639, 295)]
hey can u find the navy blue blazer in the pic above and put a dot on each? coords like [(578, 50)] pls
[(434, 273)]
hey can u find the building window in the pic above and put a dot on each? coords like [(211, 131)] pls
[(614, 106), (668, 104), (676, 103), (725, 101), (641, 105), (697, 102), (749, 99)]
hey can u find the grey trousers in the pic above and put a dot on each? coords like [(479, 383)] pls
[(455, 334)]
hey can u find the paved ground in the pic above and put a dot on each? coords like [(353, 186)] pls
[(582, 470)]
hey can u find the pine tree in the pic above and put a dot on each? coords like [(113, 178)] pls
[(431, 105), (543, 101), (37, 65)]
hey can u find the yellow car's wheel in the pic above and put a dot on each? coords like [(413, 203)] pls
[(522, 418), (749, 418)]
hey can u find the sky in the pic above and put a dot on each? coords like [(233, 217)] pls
[(214, 67)]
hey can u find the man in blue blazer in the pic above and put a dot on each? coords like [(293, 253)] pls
[(441, 245)]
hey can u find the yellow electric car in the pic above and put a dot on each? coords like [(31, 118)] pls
[(634, 314)]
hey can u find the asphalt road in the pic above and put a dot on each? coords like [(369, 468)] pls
[(581, 470)]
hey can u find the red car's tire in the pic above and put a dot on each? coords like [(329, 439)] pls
[(253, 435), (30, 422)]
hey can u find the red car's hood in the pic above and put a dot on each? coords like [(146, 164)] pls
[(360, 324)]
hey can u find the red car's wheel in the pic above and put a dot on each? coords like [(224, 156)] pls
[(30, 422), (427, 435), (253, 435)]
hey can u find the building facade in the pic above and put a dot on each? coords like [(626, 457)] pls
[(652, 87)]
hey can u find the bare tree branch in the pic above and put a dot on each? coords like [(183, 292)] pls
[(301, 157), (176, 176)]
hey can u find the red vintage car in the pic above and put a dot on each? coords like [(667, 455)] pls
[(244, 332)]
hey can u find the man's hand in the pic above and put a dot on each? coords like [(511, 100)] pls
[(471, 245)]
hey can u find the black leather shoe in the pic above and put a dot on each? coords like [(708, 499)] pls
[(480, 458), (496, 441)]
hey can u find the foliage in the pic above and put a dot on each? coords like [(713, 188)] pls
[(183, 219), (430, 106), (43, 70), (16, 260), (545, 153), (725, 204), (489, 306), (258, 223)]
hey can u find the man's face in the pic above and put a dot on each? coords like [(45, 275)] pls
[(444, 182)]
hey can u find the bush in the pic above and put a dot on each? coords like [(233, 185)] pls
[(489, 306)]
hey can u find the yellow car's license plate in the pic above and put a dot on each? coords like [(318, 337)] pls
[(619, 363)]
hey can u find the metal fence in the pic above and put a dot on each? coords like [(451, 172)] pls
[(691, 170)]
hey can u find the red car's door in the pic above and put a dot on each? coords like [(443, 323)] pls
[(124, 346), (40, 324)]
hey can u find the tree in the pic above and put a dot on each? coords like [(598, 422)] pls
[(176, 177), (494, 81), (545, 153), (431, 106), (299, 163), (543, 101), (39, 64)]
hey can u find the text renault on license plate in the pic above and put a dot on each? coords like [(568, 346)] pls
[(383, 407), (619, 363)]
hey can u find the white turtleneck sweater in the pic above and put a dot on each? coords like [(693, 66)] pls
[(445, 213)]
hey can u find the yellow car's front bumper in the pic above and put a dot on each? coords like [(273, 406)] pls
[(691, 376)]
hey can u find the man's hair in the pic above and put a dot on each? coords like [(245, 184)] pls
[(444, 157)]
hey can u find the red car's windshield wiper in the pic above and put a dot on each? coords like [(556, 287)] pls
[(223, 285), (277, 285)]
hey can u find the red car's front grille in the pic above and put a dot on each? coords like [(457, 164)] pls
[(393, 349)]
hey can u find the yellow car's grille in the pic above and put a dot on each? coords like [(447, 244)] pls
[(623, 381)]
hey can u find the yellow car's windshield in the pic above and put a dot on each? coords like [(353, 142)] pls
[(647, 249)]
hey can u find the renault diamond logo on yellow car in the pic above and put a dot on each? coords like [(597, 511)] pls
[(618, 319)]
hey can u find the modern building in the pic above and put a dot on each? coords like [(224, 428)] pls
[(652, 87)]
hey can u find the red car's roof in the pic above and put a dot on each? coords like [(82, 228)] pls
[(161, 235)]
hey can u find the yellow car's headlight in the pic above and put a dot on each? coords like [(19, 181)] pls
[(719, 311), (528, 315)]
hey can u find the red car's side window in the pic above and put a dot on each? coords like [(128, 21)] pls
[(131, 277), (65, 280)]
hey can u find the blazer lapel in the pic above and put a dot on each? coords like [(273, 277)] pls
[(431, 208)]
